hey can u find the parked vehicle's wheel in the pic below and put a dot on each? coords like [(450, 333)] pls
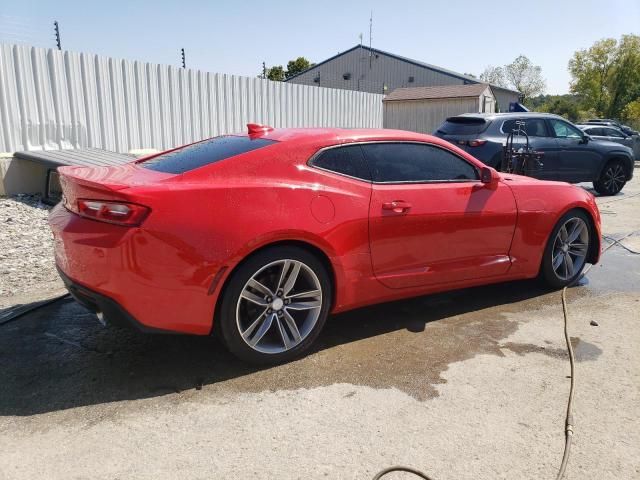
[(612, 179), (566, 252), (275, 305)]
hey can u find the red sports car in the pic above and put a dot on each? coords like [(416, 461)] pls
[(260, 236)]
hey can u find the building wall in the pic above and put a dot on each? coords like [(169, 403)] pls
[(371, 73), (425, 116), (504, 98), (52, 99)]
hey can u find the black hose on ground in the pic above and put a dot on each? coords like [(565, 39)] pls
[(568, 424)]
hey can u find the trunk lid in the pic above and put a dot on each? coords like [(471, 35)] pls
[(105, 183)]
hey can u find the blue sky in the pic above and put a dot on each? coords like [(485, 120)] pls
[(237, 36)]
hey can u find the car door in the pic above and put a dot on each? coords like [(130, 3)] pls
[(595, 133), (615, 135), (540, 140), (431, 220), (577, 158)]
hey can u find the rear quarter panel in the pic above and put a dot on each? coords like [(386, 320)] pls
[(540, 206)]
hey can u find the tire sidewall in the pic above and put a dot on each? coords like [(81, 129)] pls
[(226, 321), (548, 274)]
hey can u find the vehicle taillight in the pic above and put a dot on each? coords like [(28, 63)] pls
[(476, 143), (118, 213)]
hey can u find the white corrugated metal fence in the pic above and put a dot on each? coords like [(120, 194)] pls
[(53, 99)]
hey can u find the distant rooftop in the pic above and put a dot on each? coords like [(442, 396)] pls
[(444, 91), (467, 78)]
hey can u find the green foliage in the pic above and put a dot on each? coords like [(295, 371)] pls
[(567, 106), (607, 76), (276, 73), (631, 114), (296, 66)]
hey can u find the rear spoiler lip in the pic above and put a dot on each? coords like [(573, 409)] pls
[(78, 175), (68, 172)]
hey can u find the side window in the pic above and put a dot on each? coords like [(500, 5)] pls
[(346, 160), (612, 132), (563, 129), (534, 127), (597, 132), (413, 162)]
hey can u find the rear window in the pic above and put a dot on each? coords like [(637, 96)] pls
[(204, 153), (463, 126)]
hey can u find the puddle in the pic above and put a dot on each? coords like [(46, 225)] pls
[(582, 351)]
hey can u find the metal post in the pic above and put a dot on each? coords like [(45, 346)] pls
[(184, 62), (57, 33)]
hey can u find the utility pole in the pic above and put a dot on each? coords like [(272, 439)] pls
[(184, 62), (264, 71), (56, 30), (370, 38)]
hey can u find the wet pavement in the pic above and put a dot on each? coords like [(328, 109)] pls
[(59, 360), (60, 357)]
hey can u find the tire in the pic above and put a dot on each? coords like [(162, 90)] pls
[(556, 270), (275, 305), (612, 179)]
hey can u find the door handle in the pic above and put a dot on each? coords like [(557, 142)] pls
[(397, 206)]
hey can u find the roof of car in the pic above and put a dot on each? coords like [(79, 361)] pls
[(339, 135), (493, 116)]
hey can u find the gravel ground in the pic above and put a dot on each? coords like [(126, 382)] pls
[(26, 258)]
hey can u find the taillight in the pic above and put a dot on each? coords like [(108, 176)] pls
[(118, 213), (476, 143)]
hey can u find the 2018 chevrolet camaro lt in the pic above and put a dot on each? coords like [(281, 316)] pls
[(260, 236)]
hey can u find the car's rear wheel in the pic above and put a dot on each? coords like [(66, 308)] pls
[(275, 305), (565, 255), (612, 179)]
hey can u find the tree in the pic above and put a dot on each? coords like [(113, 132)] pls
[(562, 105), (494, 76), (625, 87), (276, 73), (607, 75), (525, 77), (591, 72), (296, 66), (631, 113)]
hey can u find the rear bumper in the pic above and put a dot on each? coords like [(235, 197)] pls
[(143, 277), (113, 312)]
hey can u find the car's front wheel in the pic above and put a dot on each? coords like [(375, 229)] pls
[(612, 179), (275, 305), (565, 255)]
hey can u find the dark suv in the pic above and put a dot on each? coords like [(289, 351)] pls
[(569, 154)]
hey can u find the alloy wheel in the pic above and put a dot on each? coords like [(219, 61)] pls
[(279, 306), (570, 248), (614, 178)]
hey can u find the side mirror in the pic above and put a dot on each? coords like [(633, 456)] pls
[(585, 138), (489, 177)]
